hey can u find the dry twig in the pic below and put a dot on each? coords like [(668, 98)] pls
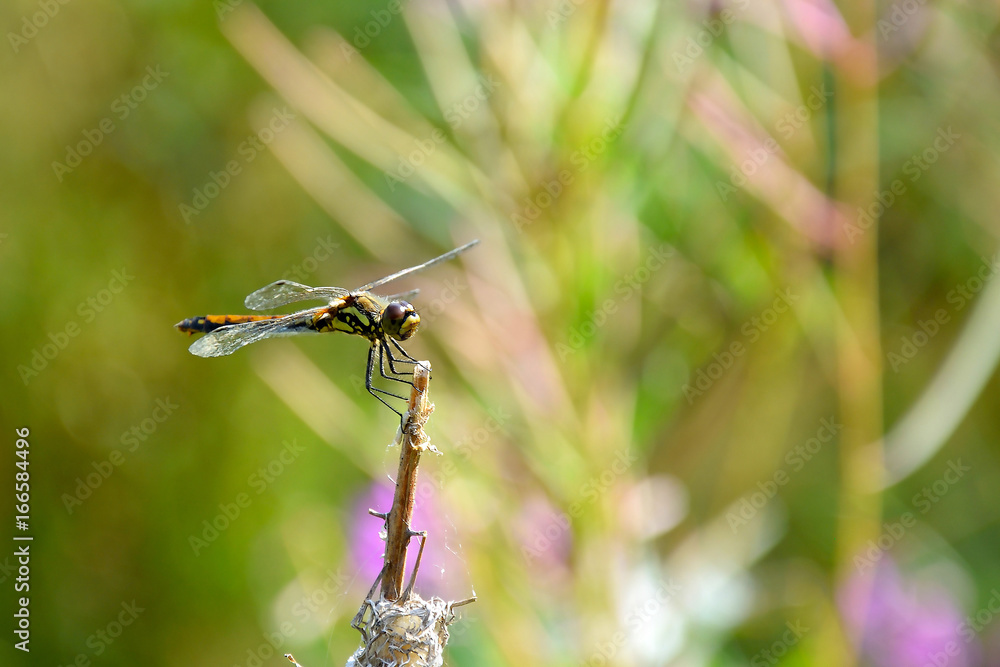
[(399, 627)]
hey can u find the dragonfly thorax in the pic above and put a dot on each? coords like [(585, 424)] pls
[(399, 320), (363, 315)]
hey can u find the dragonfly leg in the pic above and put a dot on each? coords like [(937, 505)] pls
[(374, 391), (383, 352), (408, 359)]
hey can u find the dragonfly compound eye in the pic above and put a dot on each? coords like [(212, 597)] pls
[(400, 320)]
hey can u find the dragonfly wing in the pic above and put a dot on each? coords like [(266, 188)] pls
[(228, 339), (420, 267), (402, 296), (283, 292)]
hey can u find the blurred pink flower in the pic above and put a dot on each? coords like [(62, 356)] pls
[(546, 537), (897, 620), (442, 571), (820, 26)]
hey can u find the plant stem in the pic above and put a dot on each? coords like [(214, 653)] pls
[(412, 444)]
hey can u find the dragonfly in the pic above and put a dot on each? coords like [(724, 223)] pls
[(384, 321)]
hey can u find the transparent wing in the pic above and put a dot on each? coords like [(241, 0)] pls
[(402, 296), (413, 269), (226, 340), (283, 292)]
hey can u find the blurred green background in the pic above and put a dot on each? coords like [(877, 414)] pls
[(716, 388)]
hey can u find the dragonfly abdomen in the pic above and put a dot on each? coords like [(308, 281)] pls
[(209, 323)]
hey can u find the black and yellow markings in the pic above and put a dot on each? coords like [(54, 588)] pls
[(353, 315), (208, 323), (383, 321)]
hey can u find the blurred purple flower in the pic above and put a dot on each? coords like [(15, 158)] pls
[(442, 571), (546, 537), (898, 620)]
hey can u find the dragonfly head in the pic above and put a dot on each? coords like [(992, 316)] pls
[(400, 320)]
